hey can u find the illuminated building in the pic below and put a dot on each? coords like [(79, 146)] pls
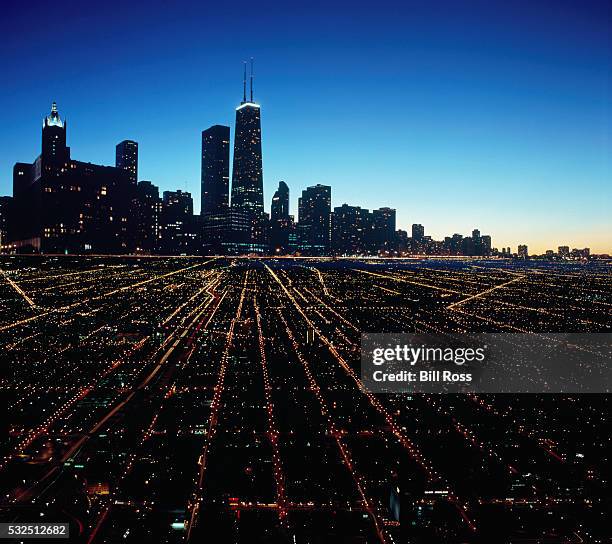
[(314, 220), (282, 225), (179, 229), (148, 209), (126, 158), (68, 206), (350, 230), (382, 234), (6, 205), (247, 171)]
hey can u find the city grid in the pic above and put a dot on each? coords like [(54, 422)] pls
[(218, 399)]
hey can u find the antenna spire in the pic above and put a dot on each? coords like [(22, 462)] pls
[(244, 84), (251, 79)]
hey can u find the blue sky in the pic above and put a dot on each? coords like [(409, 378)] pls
[(460, 114)]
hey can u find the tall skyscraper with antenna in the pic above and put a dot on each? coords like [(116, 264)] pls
[(247, 172)]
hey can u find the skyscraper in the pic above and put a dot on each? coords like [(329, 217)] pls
[(247, 171), (179, 231), (350, 230), (282, 226), (66, 206), (55, 155), (148, 209), (280, 202), (382, 236), (6, 218), (314, 220), (418, 231), (126, 158), (215, 169)]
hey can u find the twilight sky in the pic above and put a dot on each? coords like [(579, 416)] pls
[(460, 114)]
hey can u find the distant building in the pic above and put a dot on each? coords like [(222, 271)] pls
[(522, 252), (350, 230), (148, 210), (382, 232), (402, 241), (280, 202), (6, 217), (418, 232), (282, 225), (66, 206), (179, 229), (564, 252), (215, 169), (314, 220), (417, 242), (581, 253), (485, 244), (126, 158)]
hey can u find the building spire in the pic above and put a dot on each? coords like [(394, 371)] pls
[(251, 79), (54, 107), (244, 84)]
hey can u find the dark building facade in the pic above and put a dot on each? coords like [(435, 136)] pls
[(350, 230), (126, 158), (6, 220), (382, 233), (314, 220), (247, 170), (67, 206), (180, 231), (280, 202), (148, 211), (215, 169), (282, 225)]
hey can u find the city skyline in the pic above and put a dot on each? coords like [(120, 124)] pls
[(550, 184)]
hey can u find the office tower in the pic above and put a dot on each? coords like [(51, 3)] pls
[(314, 220), (215, 169), (6, 219), (66, 206), (453, 244), (55, 155), (468, 246), (485, 244), (418, 232), (350, 230), (476, 245), (401, 239), (179, 228), (564, 252), (126, 158), (523, 252), (247, 171), (282, 226), (280, 202), (148, 209), (382, 233)]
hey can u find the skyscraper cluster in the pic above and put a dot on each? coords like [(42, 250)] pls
[(60, 205)]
